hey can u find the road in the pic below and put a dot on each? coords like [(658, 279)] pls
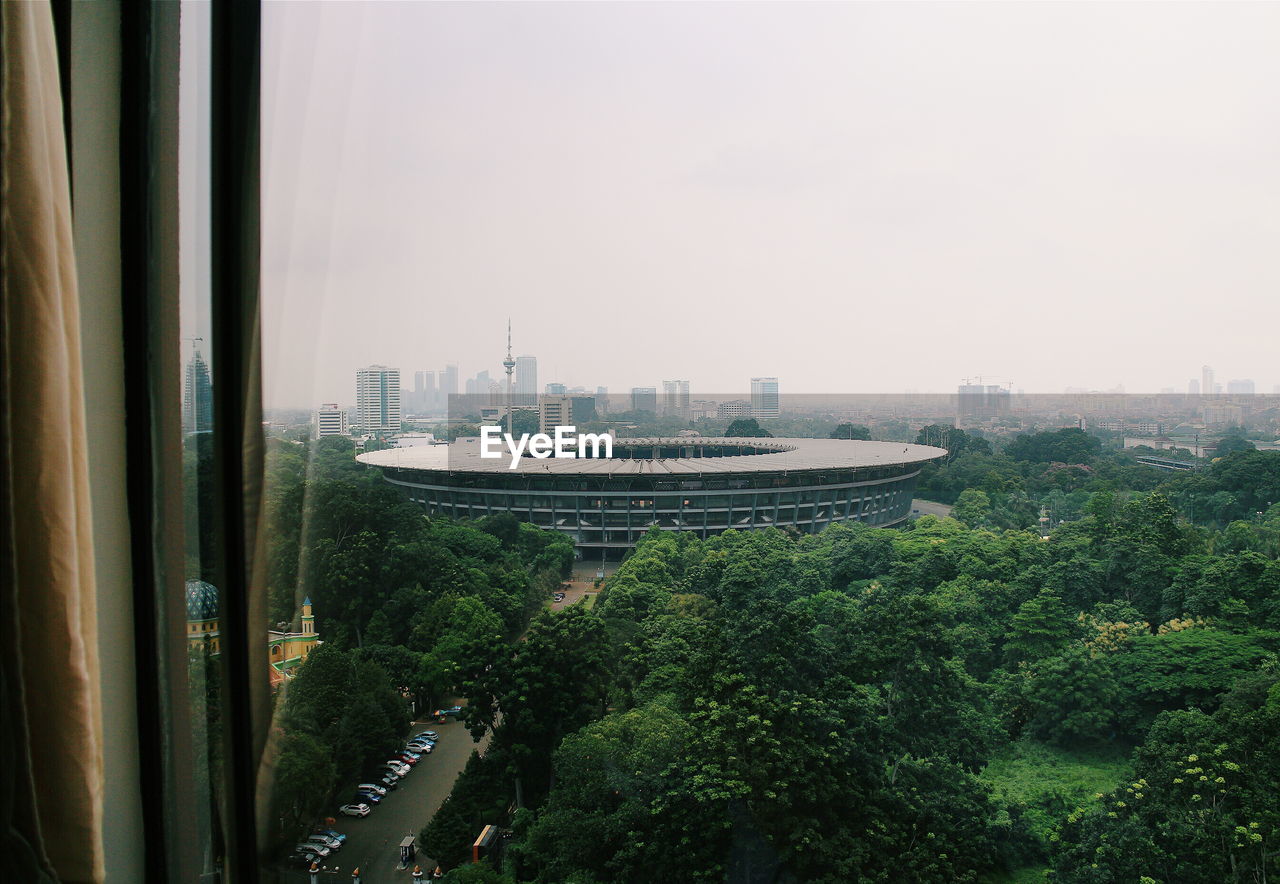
[(929, 508), (373, 843), (578, 587)]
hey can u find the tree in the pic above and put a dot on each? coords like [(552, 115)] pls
[(304, 777), (1040, 628), (973, 508), (851, 431), (747, 427)]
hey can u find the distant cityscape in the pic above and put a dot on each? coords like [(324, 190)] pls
[(385, 409)]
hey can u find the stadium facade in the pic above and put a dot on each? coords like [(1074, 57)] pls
[(688, 484)]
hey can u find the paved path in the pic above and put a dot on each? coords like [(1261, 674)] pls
[(929, 508), (373, 843)]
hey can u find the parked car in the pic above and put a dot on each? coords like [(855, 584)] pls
[(396, 766), (302, 860), (372, 787), (391, 781), (431, 735), (318, 849), (368, 797), (332, 833), (358, 809), (410, 757), (324, 841)]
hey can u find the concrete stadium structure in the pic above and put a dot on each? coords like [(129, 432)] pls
[(688, 484)]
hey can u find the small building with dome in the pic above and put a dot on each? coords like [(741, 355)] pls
[(286, 649)]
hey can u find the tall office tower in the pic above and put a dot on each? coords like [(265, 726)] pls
[(555, 390), (764, 397), (197, 396), (602, 400), (448, 384), (378, 399), (644, 399), (424, 390), (1242, 386), (675, 398), (328, 420), (526, 376), (1206, 381), (478, 385)]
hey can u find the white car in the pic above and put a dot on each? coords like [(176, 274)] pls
[(307, 847), (399, 768), (324, 841), (354, 810), (370, 787)]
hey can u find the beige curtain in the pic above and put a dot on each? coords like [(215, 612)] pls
[(51, 796)]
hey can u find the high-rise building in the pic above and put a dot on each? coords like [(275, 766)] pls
[(675, 398), (197, 396), (526, 376), (448, 385), (378, 399), (329, 420), (478, 385), (554, 411), (424, 390), (1207, 385), (764, 397), (555, 390), (644, 399), (982, 400), (1193, 387), (1240, 386), (582, 409)]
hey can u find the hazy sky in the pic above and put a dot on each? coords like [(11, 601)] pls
[(856, 198)]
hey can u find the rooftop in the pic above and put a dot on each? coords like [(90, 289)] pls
[(772, 455)]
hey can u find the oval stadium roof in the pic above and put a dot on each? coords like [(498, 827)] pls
[(781, 455)]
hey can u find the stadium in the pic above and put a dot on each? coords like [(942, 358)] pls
[(688, 484)]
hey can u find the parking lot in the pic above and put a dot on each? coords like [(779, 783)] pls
[(373, 842)]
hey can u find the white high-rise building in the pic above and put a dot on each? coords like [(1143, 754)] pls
[(1207, 385), (764, 397), (1241, 387), (329, 420), (526, 376), (378, 399)]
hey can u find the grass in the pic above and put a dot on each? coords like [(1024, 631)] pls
[(1029, 875), (1044, 784), (1026, 772)]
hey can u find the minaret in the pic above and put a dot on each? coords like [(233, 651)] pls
[(509, 363), (308, 619)]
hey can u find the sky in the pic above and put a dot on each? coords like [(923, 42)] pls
[(873, 197)]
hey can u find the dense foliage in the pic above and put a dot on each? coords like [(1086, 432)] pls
[(760, 706), (410, 610)]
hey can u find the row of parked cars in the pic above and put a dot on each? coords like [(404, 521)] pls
[(323, 842)]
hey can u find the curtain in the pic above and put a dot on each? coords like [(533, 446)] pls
[(51, 771)]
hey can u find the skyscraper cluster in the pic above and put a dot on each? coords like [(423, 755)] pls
[(1208, 385)]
